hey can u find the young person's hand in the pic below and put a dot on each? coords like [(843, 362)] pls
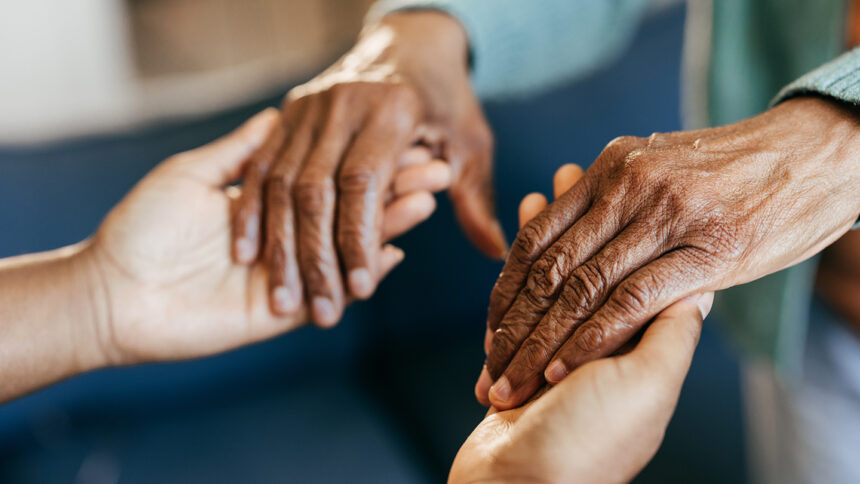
[(313, 202)]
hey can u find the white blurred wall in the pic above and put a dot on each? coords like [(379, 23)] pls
[(79, 67)]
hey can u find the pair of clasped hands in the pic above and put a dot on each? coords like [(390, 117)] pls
[(164, 262)]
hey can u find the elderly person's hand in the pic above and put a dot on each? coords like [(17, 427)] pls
[(170, 289), (317, 196), (657, 219), (603, 422)]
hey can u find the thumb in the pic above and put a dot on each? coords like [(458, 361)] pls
[(222, 160), (668, 344), (474, 203)]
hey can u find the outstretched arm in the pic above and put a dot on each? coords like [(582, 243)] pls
[(156, 281)]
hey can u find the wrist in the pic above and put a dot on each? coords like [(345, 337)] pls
[(431, 50), (96, 346)]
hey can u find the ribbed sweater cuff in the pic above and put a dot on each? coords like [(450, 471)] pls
[(838, 79)]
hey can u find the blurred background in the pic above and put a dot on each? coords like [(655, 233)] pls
[(95, 93)]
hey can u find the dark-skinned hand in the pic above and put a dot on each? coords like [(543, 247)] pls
[(314, 203), (657, 219)]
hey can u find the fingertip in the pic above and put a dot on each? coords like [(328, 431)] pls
[(565, 177), (482, 387), (555, 372), (389, 258), (530, 206), (500, 393), (361, 285), (499, 241), (244, 251), (324, 312), (283, 301)]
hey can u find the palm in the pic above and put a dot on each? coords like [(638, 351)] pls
[(167, 244)]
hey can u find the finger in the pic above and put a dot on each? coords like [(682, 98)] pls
[(433, 176), (474, 203), (530, 206), (585, 290), (547, 275), (280, 253), (405, 213), (564, 178), (245, 224), (415, 155), (631, 305), (667, 346), (363, 181), (389, 258), (533, 239), (223, 160), (544, 229), (315, 198), (482, 388)]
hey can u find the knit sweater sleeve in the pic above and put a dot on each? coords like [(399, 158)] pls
[(522, 46)]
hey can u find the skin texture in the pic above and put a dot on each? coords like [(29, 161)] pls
[(604, 421), (324, 176), (657, 219), (156, 282)]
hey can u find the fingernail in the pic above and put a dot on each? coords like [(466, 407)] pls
[(482, 388), (360, 283), (324, 313), (284, 299), (555, 372), (244, 250), (501, 391)]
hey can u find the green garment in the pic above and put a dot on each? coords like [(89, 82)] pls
[(739, 57)]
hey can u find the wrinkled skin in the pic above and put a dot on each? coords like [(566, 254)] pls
[(657, 219), (323, 183), (166, 280), (603, 422)]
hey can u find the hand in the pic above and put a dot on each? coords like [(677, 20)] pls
[(603, 422), (163, 255), (655, 220), (325, 176)]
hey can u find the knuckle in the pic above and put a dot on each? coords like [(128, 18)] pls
[(590, 338), (585, 289), (720, 238), (623, 143), (546, 277), (535, 353), (528, 242), (313, 196), (634, 296), (357, 178)]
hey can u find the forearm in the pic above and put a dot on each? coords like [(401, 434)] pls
[(49, 319)]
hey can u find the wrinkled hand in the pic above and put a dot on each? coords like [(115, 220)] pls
[(603, 422), (324, 177), (163, 255), (655, 220)]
